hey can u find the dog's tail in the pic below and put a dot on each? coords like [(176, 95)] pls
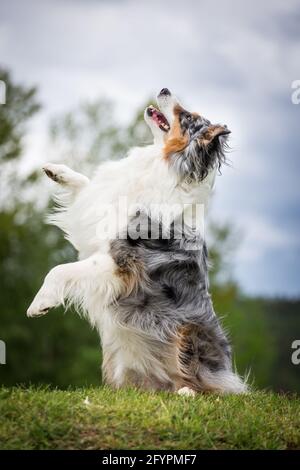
[(224, 381)]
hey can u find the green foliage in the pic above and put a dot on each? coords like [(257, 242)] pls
[(99, 418), (244, 318), (223, 240), (55, 349), (284, 320), (28, 249), (21, 104)]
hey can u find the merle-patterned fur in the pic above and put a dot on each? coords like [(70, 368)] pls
[(205, 150), (173, 300)]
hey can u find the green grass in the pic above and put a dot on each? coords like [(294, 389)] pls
[(41, 418)]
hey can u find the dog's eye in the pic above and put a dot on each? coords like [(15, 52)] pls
[(189, 117)]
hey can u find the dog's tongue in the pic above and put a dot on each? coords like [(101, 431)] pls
[(160, 119)]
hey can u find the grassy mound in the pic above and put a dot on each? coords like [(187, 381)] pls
[(99, 418)]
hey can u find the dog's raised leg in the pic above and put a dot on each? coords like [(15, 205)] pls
[(79, 283), (63, 175)]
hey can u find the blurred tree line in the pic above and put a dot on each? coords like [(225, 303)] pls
[(65, 351)]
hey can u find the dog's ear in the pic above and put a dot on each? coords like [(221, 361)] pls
[(212, 132), (204, 153), (194, 160)]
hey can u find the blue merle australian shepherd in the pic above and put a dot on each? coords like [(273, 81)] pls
[(141, 278)]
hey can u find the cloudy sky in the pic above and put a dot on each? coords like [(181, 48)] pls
[(232, 61)]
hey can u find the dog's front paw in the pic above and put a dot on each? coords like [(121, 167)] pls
[(40, 306)]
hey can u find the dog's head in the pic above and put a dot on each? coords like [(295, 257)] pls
[(191, 144)]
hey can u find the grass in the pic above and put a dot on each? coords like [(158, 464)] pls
[(41, 418)]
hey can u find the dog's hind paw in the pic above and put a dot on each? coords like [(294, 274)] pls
[(56, 172), (50, 171), (63, 175), (186, 392)]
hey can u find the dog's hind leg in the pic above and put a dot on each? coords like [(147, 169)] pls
[(204, 358), (186, 392), (63, 175), (88, 283)]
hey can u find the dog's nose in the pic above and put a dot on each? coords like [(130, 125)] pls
[(164, 91), (225, 131)]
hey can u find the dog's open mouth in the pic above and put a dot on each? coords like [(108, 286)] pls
[(159, 119)]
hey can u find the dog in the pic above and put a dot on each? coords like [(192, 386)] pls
[(146, 289)]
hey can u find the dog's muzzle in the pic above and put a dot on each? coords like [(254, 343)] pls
[(164, 92)]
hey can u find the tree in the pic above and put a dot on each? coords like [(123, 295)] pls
[(28, 248), (21, 104)]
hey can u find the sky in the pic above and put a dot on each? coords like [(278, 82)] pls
[(233, 62)]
